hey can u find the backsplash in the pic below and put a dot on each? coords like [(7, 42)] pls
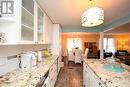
[(8, 65), (8, 60), (11, 50)]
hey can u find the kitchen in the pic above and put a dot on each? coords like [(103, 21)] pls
[(28, 44), (32, 48)]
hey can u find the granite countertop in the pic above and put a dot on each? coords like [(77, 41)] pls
[(27, 78), (111, 79)]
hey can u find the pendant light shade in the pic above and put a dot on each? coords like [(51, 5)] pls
[(92, 17)]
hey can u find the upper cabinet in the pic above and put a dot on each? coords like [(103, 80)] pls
[(28, 25), (40, 26), (43, 26), (10, 27), (48, 26)]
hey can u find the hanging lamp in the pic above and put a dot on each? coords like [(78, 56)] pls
[(93, 16)]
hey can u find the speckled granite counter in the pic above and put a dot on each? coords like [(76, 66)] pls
[(27, 78), (111, 79)]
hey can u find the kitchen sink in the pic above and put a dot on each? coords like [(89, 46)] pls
[(113, 68)]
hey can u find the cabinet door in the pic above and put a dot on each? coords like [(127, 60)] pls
[(47, 29), (93, 82), (59, 63), (27, 26), (40, 26), (84, 78), (53, 73), (86, 75), (87, 79)]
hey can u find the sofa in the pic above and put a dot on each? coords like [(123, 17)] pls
[(106, 54), (120, 54), (123, 55)]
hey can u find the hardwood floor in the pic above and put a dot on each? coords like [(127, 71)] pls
[(70, 75)]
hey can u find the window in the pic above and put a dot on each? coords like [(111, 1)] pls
[(73, 42), (109, 45)]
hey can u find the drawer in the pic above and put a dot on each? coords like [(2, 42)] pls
[(54, 66), (53, 70), (97, 79)]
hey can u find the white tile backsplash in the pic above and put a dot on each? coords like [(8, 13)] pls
[(10, 50), (11, 65), (3, 61), (8, 65)]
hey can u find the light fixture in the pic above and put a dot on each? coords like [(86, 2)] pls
[(122, 44), (92, 17)]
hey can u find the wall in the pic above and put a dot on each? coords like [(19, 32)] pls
[(125, 37), (84, 38), (10, 50), (122, 37), (10, 64)]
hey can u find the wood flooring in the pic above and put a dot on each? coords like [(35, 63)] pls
[(71, 75)]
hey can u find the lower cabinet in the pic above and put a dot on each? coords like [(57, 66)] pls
[(53, 73), (90, 79)]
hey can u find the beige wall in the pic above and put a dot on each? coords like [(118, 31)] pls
[(122, 37), (95, 38), (84, 38)]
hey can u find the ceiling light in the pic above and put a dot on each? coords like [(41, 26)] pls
[(92, 17)]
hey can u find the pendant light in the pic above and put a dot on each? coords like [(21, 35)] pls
[(93, 16)]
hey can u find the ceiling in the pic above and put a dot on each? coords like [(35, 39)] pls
[(124, 29), (68, 12)]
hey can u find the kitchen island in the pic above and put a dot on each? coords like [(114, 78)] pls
[(28, 78), (96, 76)]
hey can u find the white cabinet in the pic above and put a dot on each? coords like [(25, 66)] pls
[(86, 78), (40, 26), (21, 30), (28, 25), (56, 42), (90, 79), (10, 25), (43, 26), (39, 23), (53, 73), (56, 39), (47, 32)]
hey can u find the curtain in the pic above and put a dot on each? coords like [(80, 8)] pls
[(109, 45), (73, 42)]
